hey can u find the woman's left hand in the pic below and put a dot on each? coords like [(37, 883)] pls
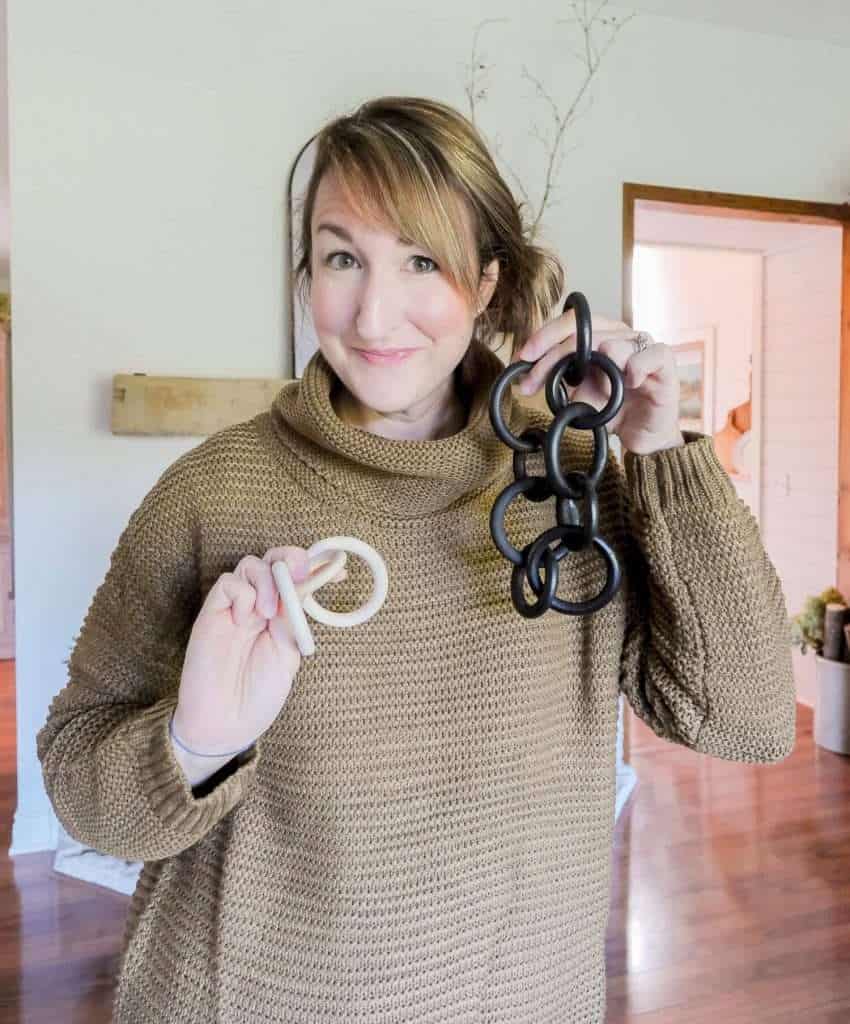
[(648, 420)]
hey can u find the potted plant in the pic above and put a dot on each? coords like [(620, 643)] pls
[(832, 675)]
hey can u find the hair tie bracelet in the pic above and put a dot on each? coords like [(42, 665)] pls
[(196, 753)]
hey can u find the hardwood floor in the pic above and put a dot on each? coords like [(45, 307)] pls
[(731, 888), (59, 937), (730, 897)]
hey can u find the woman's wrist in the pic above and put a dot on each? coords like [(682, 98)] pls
[(198, 766), (195, 769), (201, 754)]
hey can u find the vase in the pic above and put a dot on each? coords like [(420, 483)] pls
[(832, 705)]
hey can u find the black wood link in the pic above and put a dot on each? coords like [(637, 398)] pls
[(571, 487)]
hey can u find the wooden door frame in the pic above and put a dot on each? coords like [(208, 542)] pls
[(763, 208)]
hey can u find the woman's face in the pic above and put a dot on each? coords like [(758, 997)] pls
[(372, 292)]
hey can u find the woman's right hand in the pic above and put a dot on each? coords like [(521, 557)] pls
[(241, 657)]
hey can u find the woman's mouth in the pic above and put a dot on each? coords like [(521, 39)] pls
[(385, 358)]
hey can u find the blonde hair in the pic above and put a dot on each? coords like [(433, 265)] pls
[(421, 168)]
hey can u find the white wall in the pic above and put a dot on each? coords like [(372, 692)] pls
[(149, 150), (801, 377)]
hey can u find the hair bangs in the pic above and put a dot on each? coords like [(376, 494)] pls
[(389, 182)]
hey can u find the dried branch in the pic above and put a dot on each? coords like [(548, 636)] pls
[(591, 59), (476, 69), (476, 91), (589, 56)]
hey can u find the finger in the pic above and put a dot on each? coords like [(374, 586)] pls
[(604, 323), (564, 327), (561, 329), (324, 565), (595, 388), (636, 367), (231, 592), (540, 371), (654, 366), (259, 573), (598, 323), (296, 559), (619, 350)]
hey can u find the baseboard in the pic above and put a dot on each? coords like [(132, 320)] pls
[(626, 782), (33, 833), (98, 868)]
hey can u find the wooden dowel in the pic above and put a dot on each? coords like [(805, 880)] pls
[(835, 616)]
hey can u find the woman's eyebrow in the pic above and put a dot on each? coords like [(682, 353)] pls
[(336, 229)]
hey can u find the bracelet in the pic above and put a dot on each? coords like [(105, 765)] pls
[(195, 753)]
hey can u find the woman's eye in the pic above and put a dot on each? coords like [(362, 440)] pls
[(329, 260), (342, 260)]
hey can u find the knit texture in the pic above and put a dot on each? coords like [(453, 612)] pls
[(424, 834)]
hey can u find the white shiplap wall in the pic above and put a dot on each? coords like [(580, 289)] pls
[(800, 426)]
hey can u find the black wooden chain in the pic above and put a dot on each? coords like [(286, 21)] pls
[(570, 487)]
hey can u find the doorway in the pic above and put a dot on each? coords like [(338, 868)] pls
[(753, 294)]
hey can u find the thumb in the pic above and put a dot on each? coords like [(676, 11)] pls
[(296, 560), (299, 564)]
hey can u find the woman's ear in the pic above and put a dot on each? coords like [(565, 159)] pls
[(487, 284)]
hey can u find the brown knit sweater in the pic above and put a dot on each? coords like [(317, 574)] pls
[(424, 834)]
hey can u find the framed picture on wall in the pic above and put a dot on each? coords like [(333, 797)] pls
[(694, 349)]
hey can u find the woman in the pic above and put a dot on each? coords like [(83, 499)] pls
[(415, 823)]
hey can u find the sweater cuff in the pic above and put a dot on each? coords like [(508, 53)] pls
[(167, 790), (688, 475)]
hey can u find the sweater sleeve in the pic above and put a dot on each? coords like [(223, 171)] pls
[(106, 756), (706, 659)]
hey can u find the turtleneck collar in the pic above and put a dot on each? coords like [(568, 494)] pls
[(397, 477)]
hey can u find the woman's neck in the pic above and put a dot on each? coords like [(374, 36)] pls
[(442, 419)]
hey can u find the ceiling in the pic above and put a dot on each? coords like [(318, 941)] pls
[(827, 21)]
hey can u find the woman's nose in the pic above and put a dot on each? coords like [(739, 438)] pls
[(379, 308)]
